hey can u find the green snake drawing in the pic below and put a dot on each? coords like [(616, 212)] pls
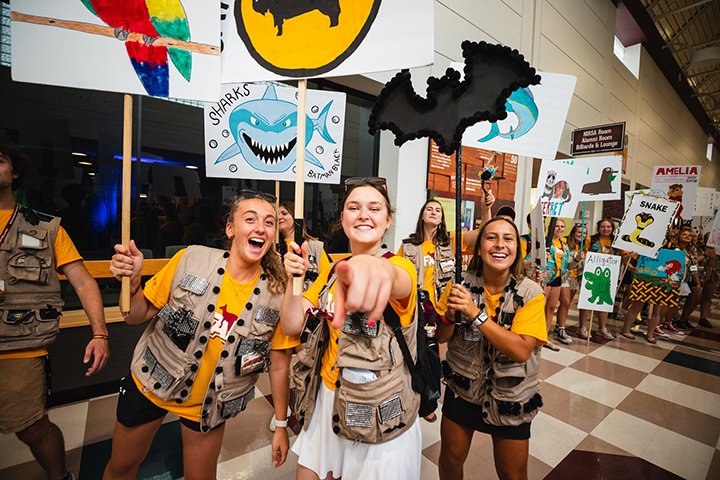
[(599, 285), (643, 220)]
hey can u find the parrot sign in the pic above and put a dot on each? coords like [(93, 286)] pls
[(161, 48), (599, 282)]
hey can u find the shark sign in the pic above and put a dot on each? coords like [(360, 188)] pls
[(252, 133), (535, 121)]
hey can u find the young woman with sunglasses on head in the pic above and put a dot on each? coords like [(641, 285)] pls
[(214, 328), (354, 396), (492, 362)]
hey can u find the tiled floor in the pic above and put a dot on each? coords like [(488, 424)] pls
[(614, 409)]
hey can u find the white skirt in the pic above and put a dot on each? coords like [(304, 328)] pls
[(323, 452)]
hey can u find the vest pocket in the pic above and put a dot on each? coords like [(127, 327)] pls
[(48, 321), (32, 238), (230, 402), (28, 267), (161, 367), (513, 399), (374, 412), (16, 323)]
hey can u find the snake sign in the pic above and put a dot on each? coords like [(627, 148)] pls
[(599, 282), (644, 225)]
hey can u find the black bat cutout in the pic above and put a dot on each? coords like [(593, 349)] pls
[(492, 73)]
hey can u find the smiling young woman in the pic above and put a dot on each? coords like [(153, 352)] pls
[(214, 317), (359, 413), (491, 367)]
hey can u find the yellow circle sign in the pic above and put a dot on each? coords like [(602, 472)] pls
[(298, 38)]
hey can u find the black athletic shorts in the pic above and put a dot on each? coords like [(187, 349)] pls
[(134, 408), (469, 415), (556, 282)]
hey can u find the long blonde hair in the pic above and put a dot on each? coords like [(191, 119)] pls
[(271, 262)]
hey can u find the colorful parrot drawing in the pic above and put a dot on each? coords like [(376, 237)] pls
[(151, 19)]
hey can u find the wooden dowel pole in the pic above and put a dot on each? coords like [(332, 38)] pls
[(278, 237), (125, 209), (589, 327), (300, 172)]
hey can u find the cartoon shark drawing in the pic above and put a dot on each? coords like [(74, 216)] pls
[(265, 133), (522, 103)]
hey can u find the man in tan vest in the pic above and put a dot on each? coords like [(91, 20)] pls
[(34, 248)]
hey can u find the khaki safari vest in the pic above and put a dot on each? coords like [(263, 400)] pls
[(372, 412), (168, 354), (508, 392), (444, 263), (30, 301)]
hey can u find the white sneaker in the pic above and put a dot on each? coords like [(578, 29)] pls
[(603, 332), (562, 336), (583, 333)]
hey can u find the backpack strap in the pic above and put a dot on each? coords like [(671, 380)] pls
[(392, 319)]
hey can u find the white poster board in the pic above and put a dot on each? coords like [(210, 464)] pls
[(252, 133), (603, 176), (274, 40), (679, 184), (599, 282), (714, 237), (559, 186), (79, 48), (704, 202), (536, 117), (644, 225), (631, 193)]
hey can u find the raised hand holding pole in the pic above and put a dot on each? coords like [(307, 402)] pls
[(125, 208)]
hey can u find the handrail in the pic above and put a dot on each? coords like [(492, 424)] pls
[(101, 269)]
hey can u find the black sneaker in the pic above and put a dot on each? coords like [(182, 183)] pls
[(683, 325), (704, 322)]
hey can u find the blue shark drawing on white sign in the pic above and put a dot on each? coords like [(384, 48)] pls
[(522, 103), (535, 121), (252, 133)]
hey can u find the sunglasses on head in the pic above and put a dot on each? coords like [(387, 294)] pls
[(374, 181), (247, 193)]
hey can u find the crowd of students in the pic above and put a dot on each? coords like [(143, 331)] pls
[(564, 271), (218, 318)]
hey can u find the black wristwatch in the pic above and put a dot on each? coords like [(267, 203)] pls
[(480, 319)]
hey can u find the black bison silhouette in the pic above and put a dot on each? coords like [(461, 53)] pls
[(282, 10)]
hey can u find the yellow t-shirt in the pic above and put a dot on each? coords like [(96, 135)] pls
[(65, 252), (231, 301), (405, 309), (529, 319)]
